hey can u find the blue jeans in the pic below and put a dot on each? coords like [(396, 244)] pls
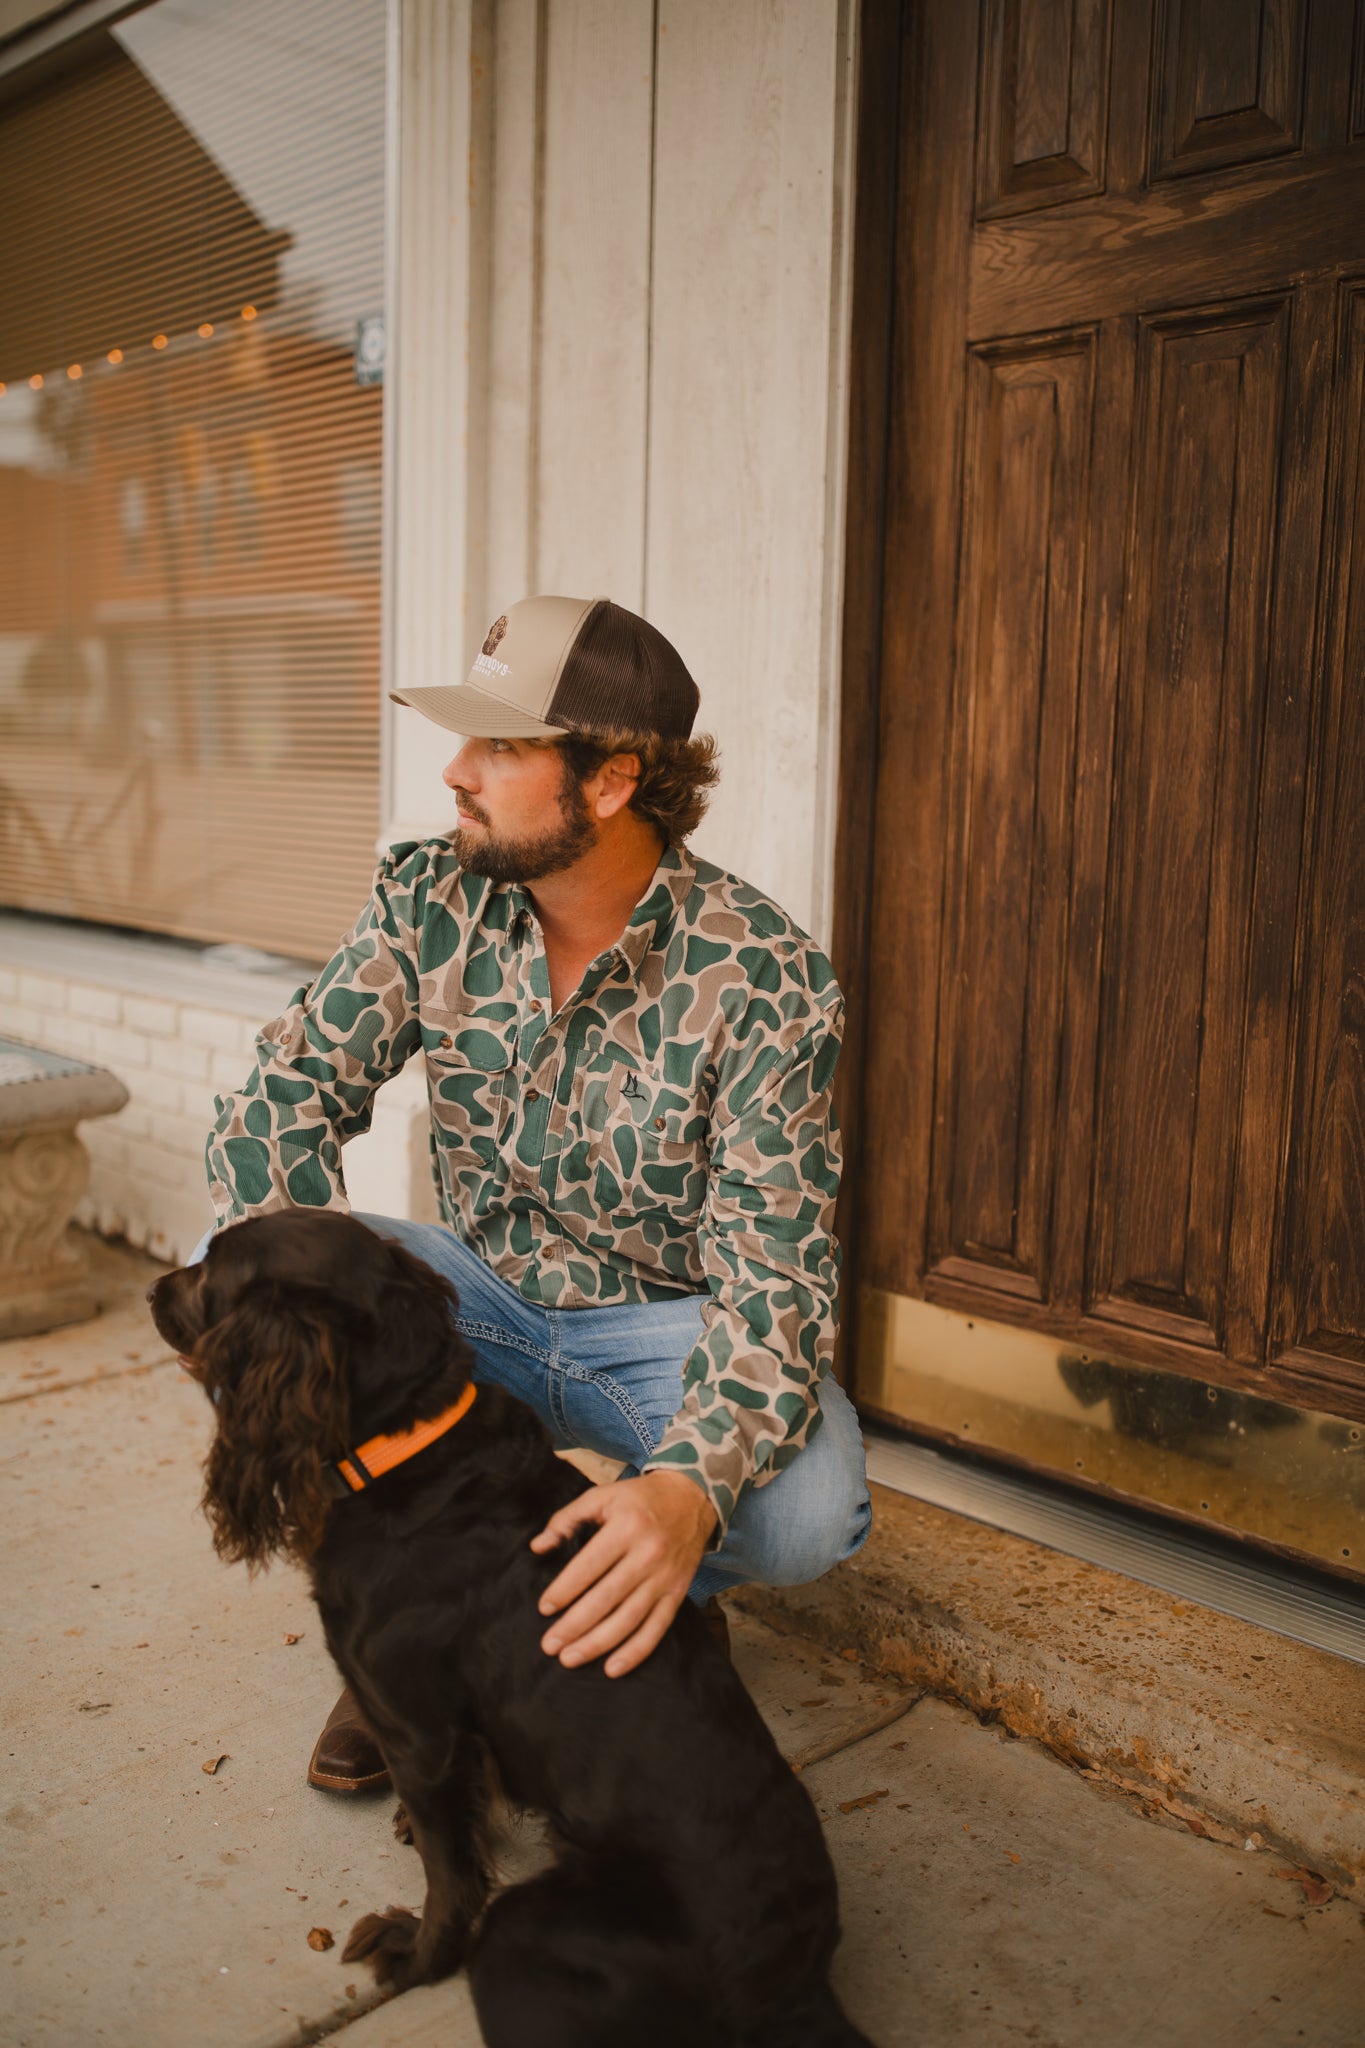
[(610, 1380)]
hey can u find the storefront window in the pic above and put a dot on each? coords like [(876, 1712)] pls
[(191, 404)]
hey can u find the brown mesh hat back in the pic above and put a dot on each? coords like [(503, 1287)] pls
[(620, 671)]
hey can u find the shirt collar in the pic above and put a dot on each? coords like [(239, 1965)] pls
[(656, 909), (652, 915)]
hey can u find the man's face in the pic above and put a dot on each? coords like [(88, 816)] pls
[(522, 816)]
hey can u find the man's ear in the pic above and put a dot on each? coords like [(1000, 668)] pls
[(276, 1372), (618, 779)]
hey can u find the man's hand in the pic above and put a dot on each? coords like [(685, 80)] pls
[(624, 1587)]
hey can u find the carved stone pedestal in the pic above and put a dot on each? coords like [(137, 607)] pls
[(44, 1168)]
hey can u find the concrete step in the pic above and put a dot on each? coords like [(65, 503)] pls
[(1237, 1733)]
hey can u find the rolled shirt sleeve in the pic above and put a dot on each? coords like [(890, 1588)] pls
[(772, 1265), (276, 1142)]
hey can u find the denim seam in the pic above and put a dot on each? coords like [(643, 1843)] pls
[(554, 1385), (498, 1333), (605, 1384)]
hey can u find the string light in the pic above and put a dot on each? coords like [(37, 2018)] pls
[(75, 371), (3, 389)]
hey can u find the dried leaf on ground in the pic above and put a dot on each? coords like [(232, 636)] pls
[(211, 1763), (295, 1639), (866, 1799), (320, 1938), (1316, 1889)]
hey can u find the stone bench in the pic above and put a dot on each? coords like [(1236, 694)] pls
[(44, 1169)]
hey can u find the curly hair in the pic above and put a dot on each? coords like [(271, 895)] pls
[(676, 776)]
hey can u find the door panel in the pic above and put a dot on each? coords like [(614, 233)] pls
[(1322, 1309), (1028, 464), (1044, 104), (1191, 695), (1229, 83), (1115, 1054)]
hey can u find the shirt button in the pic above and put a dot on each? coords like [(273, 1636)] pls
[(447, 1042), (658, 1123), (533, 1095), (535, 1002)]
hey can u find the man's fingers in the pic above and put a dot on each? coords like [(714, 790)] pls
[(617, 1628), (607, 1547), (593, 1606), (587, 1507), (646, 1638)]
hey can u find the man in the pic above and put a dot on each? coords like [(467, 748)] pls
[(628, 1057)]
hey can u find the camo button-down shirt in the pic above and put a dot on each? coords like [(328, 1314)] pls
[(667, 1131)]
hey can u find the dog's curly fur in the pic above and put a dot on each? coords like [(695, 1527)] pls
[(692, 1900)]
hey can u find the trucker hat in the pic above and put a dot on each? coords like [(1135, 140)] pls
[(553, 665)]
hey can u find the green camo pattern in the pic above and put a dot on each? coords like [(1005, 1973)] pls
[(669, 1131)]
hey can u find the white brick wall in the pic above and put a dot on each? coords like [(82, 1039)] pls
[(147, 1163), (147, 1181)]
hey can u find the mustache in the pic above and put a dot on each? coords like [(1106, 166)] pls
[(470, 808)]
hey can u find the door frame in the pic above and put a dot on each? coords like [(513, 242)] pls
[(877, 176)]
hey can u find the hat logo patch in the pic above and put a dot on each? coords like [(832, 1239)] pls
[(495, 633)]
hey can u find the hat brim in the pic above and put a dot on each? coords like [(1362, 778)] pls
[(466, 709)]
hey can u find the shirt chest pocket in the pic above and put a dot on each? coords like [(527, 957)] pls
[(652, 1150), (468, 1064)]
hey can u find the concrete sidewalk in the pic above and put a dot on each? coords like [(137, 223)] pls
[(989, 1892)]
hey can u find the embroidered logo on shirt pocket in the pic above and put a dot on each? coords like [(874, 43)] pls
[(652, 1150)]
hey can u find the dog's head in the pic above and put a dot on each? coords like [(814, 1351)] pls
[(310, 1334)]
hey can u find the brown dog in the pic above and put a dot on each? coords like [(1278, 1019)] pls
[(692, 1900)]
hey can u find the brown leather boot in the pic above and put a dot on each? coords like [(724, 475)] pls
[(346, 1757)]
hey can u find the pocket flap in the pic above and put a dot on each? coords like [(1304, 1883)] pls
[(459, 1041)]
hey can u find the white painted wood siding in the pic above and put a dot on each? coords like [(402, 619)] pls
[(644, 393)]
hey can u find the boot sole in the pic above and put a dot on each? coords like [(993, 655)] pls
[(327, 1783)]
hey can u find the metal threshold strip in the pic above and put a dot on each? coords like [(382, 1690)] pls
[(1261, 1591)]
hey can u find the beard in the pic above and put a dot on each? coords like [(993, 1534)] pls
[(534, 855)]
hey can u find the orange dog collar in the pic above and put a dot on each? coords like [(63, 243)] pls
[(370, 1461)]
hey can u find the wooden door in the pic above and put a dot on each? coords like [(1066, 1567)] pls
[(1114, 1083)]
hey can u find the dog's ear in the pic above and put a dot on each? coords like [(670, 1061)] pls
[(276, 1371), (418, 1315)]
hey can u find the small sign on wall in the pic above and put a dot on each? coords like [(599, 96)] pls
[(370, 345)]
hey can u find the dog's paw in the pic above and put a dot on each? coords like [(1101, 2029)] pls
[(402, 1826), (386, 1942)]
